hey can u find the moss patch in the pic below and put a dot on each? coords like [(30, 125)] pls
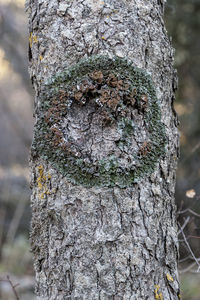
[(115, 88)]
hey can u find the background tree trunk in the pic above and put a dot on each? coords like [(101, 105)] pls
[(104, 152)]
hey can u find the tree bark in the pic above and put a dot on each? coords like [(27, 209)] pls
[(104, 151)]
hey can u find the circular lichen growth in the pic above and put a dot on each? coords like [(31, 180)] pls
[(99, 123)]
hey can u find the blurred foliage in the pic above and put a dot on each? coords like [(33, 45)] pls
[(17, 257), (190, 287), (183, 23), (16, 125)]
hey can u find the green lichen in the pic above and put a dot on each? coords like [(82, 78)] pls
[(58, 96)]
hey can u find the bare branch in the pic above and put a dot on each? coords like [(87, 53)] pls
[(188, 268), (185, 259), (12, 286), (184, 224), (188, 210), (189, 248), (194, 236)]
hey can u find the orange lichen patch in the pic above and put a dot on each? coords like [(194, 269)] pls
[(35, 40), (158, 295), (169, 277), (32, 39), (41, 57), (42, 181)]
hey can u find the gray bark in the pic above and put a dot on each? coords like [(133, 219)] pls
[(104, 152)]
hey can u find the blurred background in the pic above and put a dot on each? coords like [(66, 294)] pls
[(16, 125)]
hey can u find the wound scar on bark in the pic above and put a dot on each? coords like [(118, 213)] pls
[(100, 123)]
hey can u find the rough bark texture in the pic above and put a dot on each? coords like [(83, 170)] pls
[(104, 152)]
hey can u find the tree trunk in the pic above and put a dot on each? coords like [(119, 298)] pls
[(104, 151)]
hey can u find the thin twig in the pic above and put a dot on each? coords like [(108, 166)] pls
[(14, 224), (188, 268), (189, 248), (191, 153), (185, 259), (188, 210), (12, 286), (194, 236), (184, 224)]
